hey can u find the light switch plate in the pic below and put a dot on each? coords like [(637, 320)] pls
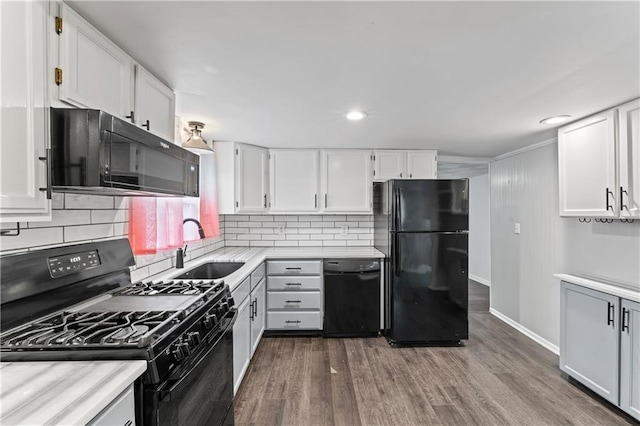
[(517, 228)]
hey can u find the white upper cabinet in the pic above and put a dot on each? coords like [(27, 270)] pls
[(389, 165), (24, 118), (629, 162), (154, 105), (242, 176), (346, 181), (396, 164), (96, 73), (587, 167), (294, 180), (422, 164)]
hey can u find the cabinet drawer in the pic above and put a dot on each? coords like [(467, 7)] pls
[(294, 300), (119, 412), (296, 267), (242, 291), (258, 275), (294, 283), (294, 320)]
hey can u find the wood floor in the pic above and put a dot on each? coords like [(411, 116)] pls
[(499, 378)]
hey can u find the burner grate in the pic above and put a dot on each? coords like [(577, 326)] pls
[(170, 287)]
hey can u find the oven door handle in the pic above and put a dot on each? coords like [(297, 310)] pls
[(165, 395)]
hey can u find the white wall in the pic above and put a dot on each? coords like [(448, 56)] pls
[(524, 189), (479, 229)]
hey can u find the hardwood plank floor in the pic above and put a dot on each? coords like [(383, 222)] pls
[(500, 377)]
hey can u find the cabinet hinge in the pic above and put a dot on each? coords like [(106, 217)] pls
[(58, 76), (58, 25)]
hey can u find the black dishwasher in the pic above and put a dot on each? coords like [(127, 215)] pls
[(351, 298)]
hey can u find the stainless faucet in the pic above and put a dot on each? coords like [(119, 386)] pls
[(181, 253)]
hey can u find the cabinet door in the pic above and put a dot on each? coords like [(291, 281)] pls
[(97, 74), (630, 358), (154, 105), (294, 180), (389, 165), (629, 195), (589, 333), (346, 181), (241, 343), (251, 179), (422, 164), (24, 117), (258, 296), (587, 167)]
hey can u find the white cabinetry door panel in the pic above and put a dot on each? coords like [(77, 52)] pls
[(630, 358), (258, 317), (251, 178), (155, 105), (389, 165), (24, 115), (294, 180), (97, 74), (347, 181), (589, 333), (629, 164), (421, 165), (241, 342), (587, 167)]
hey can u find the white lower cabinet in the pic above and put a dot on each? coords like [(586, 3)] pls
[(630, 358), (600, 344), (122, 411), (249, 297)]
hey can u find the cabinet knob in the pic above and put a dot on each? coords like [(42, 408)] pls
[(410, 175), (400, 174)]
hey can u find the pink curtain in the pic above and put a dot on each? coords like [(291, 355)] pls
[(155, 224)]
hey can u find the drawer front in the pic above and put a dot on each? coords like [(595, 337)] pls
[(294, 300), (294, 283), (120, 412), (294, 320), (258, 275), (242, 291), (295, 267)]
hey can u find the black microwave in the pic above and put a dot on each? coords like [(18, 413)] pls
[(94, 152)]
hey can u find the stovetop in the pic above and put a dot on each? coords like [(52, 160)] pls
[(177, 287)]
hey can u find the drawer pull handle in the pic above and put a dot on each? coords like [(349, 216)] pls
[(294, 284), (610, 313), (129, 422), (293, 301), (293, 322), (625, 320), (292, 269)]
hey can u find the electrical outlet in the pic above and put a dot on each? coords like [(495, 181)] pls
[(517, 228), (344, 230), (280, 230)]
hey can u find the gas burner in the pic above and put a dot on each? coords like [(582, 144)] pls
[(103, 329), (170, 287)]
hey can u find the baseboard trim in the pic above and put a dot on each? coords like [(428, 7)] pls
[(480, 280), (522, 329)]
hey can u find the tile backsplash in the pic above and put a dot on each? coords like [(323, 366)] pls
[(298, 230), (77, 218)]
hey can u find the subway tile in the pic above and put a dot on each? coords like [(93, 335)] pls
[(272, 237), (57, 200), (298, 224), (231, 237), (334, 243), (249, 237), (290, 230), (262, 231), (297, 237), (64, 218), (346, 237), (139, 274), (230, 224), (368, 224), (84, 201), (360, 243), (236, 230), (239, 244), (32, 238), (158, 267), (261, 218), (87, 232), (287, 243), (353, 230), (285, 218), (340, 224), (249, 224), (321, 224), (121, 203), (313, 218), (121, 229), (310, 230), (108, 216), (331, 231), (364, 236), (240, 218), (261, 244), (273, 224), (333, 218), (323, 237), (310, 243)]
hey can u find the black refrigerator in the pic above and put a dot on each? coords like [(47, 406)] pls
[(422, 227)]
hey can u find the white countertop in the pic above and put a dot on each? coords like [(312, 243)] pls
[(253, 257), (64, 392), (610, 287)]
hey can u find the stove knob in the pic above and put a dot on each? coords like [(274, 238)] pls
[(230, 301), (210, 321), (185, 348), (178, 353), (193, 338)]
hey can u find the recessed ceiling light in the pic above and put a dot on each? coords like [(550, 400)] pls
[(356, 115), (557, 119)]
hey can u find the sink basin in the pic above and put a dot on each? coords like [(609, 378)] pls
[(211, 270)]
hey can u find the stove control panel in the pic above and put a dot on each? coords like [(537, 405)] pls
[(68, 264)]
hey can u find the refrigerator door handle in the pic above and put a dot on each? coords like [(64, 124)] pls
[(398, 209), (396, 254)]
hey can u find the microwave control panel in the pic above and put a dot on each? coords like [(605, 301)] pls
[(68, 264)]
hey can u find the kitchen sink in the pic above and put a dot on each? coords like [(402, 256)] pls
[(212, 270)]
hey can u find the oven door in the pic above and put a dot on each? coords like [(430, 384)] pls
[(201, 396)]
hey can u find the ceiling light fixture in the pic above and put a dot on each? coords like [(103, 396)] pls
[(196, 141), (557, 119), (356, 115)]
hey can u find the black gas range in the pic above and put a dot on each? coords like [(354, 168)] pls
[(78, 303)]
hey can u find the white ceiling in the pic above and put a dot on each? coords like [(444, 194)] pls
[(466, 78)]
